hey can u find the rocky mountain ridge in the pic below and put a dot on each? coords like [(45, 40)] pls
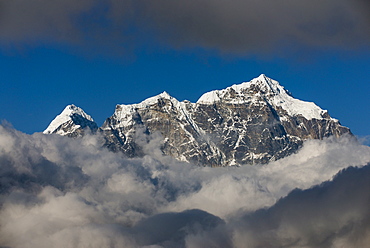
[(252, 122)]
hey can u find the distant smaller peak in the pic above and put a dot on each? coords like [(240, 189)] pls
[(69, 109), (72, 106), (72, 109), (66, 115)]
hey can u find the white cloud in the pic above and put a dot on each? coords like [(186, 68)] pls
[(62, 192)]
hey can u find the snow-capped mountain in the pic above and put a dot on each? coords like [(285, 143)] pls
[(252, 122), (72, 122)]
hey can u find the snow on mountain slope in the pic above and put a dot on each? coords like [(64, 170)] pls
[(71, 122), (275, 93)]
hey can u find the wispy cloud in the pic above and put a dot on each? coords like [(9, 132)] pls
[(229, 27)]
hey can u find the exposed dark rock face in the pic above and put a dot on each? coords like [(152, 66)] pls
[(253, 122), (77, 120)]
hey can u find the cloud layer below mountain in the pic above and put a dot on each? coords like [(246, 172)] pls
[(62, 192)]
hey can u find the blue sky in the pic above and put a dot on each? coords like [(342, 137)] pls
[(96, 67)]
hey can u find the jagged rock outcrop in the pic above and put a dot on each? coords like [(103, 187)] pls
[(253, 122)]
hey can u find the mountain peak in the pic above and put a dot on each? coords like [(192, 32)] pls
[(264, 89), (154, 99), (71, 115), (239, 91), (263, 78), (272, 85), (260, 85), (147, 102), (73, 109)]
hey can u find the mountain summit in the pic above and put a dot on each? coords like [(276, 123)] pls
[(248, 123), (71, 122), (271, 90)]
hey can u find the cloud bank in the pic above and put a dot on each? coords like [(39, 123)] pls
[(62, 192), (237, 27)]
